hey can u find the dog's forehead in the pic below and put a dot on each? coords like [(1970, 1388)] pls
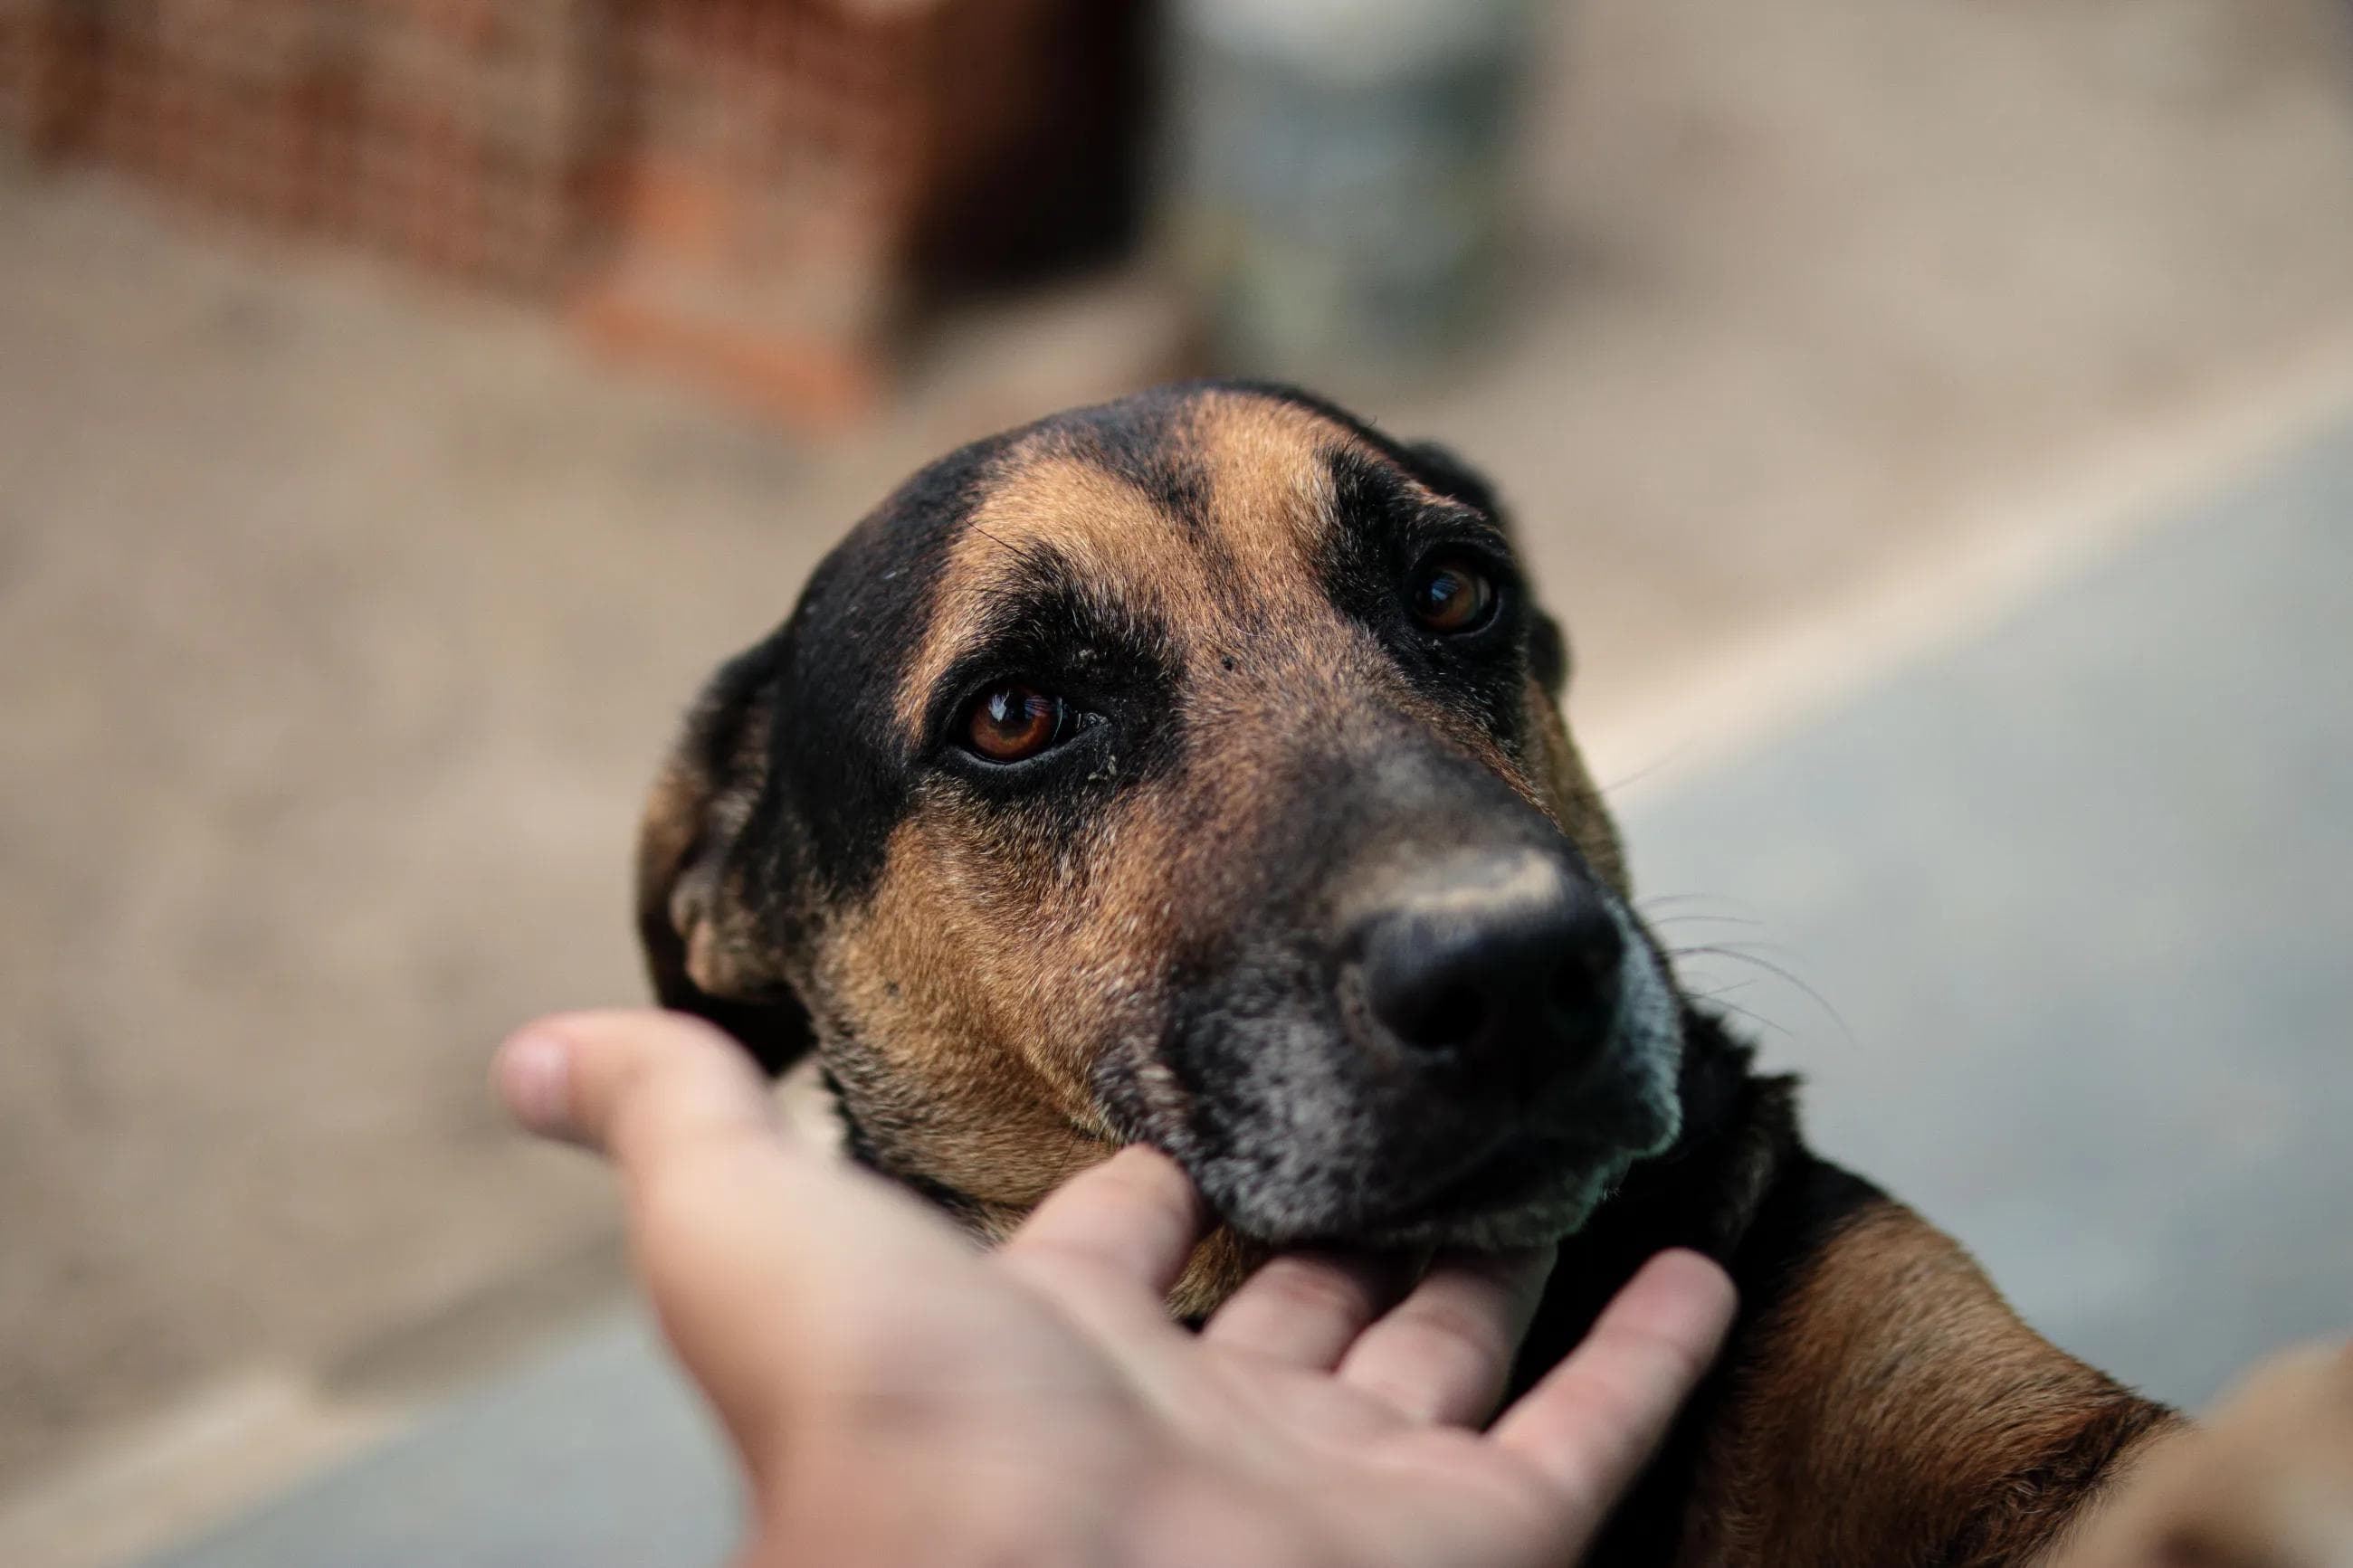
[(1189, 509)]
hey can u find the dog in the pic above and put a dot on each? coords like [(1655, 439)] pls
[(1191, 769)]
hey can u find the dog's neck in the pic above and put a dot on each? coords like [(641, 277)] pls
[(1708, 1193), (1871, 1356)]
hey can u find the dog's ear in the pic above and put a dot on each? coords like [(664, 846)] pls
[(1439, 468), (711, 874)]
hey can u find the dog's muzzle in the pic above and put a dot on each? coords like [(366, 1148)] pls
[(1481, 1049)]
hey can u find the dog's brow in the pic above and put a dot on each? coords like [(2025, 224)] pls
[(1004, 609), (1372, 494), (1052, 521)]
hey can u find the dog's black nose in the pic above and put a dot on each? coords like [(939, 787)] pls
[(1503, 963)]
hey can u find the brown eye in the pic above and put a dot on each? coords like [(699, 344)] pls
[(1451, 596), (1010, 723)]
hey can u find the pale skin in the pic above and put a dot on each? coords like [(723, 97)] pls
[(895, 1396)]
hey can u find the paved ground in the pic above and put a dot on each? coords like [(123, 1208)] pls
[(2072, 895), (2069, 907), (344, 620)]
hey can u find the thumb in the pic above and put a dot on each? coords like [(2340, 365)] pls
[(774, 1268)]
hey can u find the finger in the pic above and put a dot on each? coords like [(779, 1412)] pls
[(1595, 1419), (1306, 1308), (1111, 1241), (764, 1261), (1443, 1354), (601, 1078)]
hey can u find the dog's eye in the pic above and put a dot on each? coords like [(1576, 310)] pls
[(1012, 721), (1451, 596)]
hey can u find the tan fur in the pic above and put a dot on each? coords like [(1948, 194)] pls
[(1012, 961), (1274, 501), (1109, 532), (1015, 960), (1894, 1360), (688, 819)]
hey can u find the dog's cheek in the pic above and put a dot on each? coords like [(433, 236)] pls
[(965, 1002), (1568, 793)]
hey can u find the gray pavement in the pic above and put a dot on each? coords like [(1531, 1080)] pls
[(2073, 898), (595, 1457)]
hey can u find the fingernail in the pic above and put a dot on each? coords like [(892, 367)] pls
[(536, 1080)]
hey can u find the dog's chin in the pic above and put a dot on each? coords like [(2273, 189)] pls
[(1505, 1206), (1557, 1211)]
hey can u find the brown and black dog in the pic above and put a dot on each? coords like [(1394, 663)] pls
[(1190, 769)]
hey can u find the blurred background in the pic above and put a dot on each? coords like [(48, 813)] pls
[(1934, 421)]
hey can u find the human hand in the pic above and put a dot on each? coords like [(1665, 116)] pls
[(896, 1397)]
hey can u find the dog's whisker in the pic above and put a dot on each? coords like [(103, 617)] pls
[(1736, 956), (1754, 945), (1666, 900), (1656, 923), (1000, 543), (1759, 1020), (1623, 780)]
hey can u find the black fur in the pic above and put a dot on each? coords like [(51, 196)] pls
[(838, 775), (1116, 667), (1254, 1003), (834, 777)]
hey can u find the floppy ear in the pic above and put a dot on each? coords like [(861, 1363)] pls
[(1437, 467), (710, 875)]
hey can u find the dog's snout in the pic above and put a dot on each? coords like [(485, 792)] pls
[(1507, 963)]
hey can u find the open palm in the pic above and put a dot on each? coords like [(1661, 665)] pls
[(895, 1397)]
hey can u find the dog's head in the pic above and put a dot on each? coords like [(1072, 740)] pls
[(1186, 769)]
